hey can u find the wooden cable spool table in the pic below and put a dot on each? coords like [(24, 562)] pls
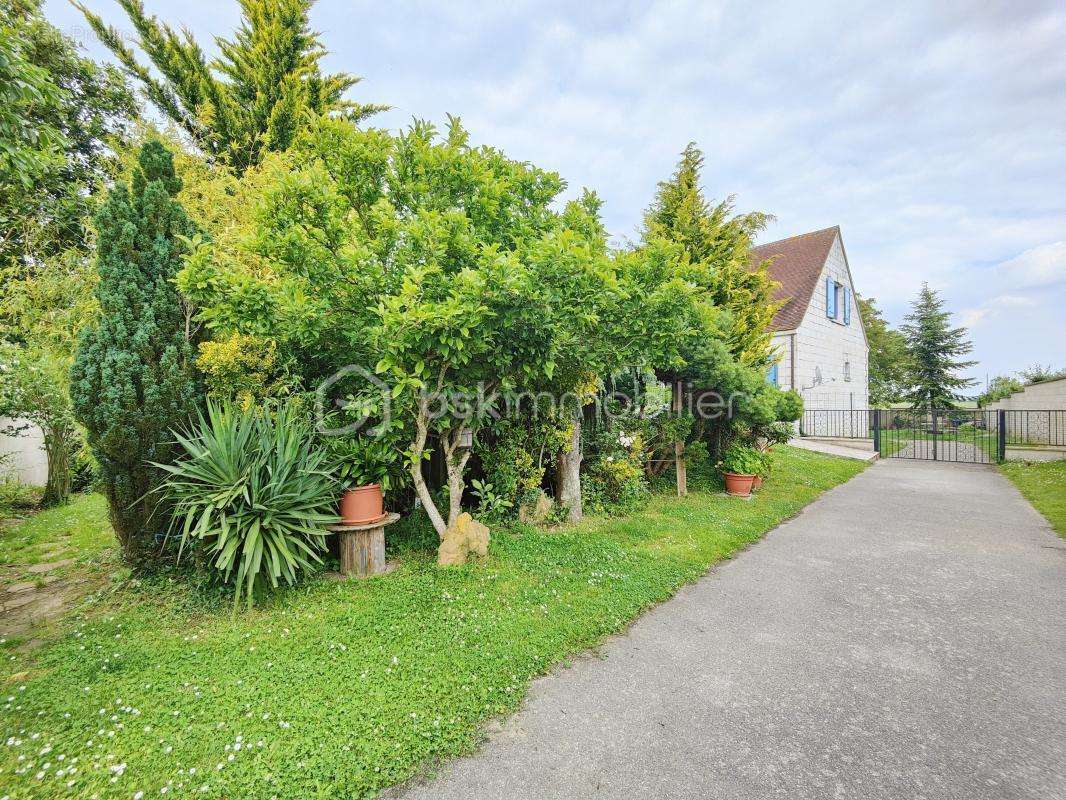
[(363, 546)]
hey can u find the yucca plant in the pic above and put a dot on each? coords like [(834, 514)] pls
[(254, 492)]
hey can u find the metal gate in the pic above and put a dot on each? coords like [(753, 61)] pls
[(957, 435)]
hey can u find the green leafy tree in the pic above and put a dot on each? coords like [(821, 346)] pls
[(133, 377), (935, 350), (253, 98), (999, 387), (582, 295), (38, 331), (28, 147), (73, 124), (889, 365), (1039, 373), (442, 265), (715, 246), (33, 390)]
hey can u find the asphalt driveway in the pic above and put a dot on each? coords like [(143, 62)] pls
[(904, 637)]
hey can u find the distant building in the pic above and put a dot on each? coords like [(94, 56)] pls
[(818, 331)]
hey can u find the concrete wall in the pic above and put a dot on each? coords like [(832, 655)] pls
[(1046, 396), (823, 346), (26, 460), (1035, 453), (1036, 415)]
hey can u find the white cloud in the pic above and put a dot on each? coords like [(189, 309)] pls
[(934, 134), (1037, 267), (1014, 301), (972, 317)]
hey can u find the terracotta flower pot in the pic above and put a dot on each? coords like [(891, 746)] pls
[(756, 483), (738, 485), (361, 505)]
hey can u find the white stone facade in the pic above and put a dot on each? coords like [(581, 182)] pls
[(826, 360)]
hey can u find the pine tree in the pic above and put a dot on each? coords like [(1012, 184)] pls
[(716, 244), (133, 379), (255, 96), (934, 349)]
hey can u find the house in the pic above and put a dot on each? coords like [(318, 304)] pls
[(818, 331)]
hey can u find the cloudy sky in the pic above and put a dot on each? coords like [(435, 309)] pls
[(933, 133)]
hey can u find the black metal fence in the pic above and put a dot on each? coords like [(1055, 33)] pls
[(846, 423), (959, 435), (978, 436), (1033, 428)]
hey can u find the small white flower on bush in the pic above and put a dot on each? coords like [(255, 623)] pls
[(625, 439)]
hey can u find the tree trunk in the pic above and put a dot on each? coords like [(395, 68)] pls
[(679, 446), (568, 472), (130, 522), (57, 449), (456, 463), (418, 447)]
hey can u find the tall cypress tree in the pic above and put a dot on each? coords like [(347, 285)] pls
[(934, 350), (250, 100), (716, 244), (133, 377)]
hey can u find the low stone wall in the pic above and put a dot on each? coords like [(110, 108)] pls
[(1035, 453)]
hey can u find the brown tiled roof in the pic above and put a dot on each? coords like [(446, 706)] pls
[(796, 264)]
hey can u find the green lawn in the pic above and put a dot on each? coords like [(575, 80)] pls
[(338, 689), (1044, 485), (77, 530)]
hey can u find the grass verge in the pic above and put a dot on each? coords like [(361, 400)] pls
[(339, 689), (78, 530), (1044, 485)]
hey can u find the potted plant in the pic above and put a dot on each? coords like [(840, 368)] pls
[(367, 468), (739, 465), (765, 463)]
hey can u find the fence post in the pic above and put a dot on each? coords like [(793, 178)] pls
[(877, 430), (1001, 420), (679, 446)]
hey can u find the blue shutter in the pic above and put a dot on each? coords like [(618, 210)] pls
[(771, 376), (847, 306), (830, 298)]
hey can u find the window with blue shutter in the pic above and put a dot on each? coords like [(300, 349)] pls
[(847, 306), (771, 376), (830, 298)]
